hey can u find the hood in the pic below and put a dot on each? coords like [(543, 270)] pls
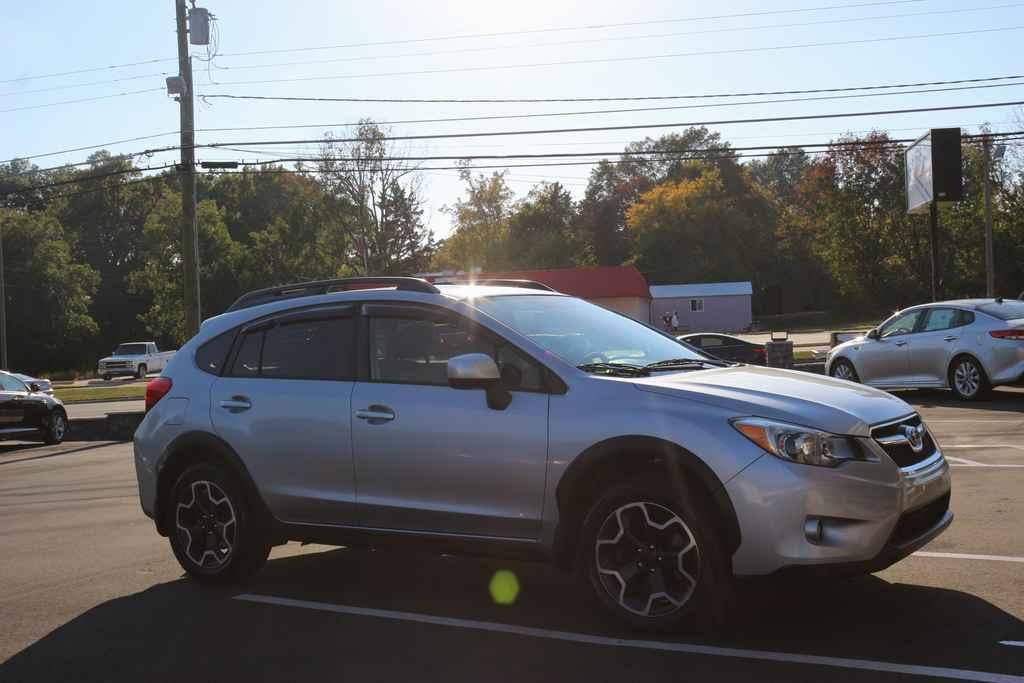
[(121, 357), (802, 398)]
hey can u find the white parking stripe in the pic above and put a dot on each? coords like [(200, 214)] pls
[(970, 556), (687, 648), (1012, 643), (947, 446), (964, 462)]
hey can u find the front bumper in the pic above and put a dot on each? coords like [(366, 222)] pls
[(871, 514)]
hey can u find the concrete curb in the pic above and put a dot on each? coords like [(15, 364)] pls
[(100, 400), (113, 427)]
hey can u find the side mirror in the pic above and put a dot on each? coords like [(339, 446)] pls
[(33, 387), (479, 371), (873, 334)]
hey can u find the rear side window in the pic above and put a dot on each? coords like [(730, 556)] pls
[(710, 342), (966, 318), (212, 355), (1007, 310), (941, 319), (305, 349)]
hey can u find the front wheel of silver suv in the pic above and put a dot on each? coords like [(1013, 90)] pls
[(653, 560), (214, 532)]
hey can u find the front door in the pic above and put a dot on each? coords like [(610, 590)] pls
[(934, 346), (433, 458), (284, 402), (886, 361)]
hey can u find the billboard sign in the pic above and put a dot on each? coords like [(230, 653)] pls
[(933, 169)]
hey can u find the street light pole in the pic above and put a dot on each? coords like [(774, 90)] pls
[(990, 275), (3, 308)]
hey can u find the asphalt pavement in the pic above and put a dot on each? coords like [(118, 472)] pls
[(89, 592)]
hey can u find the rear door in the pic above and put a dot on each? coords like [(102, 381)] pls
[(885, 361), (437, 459), (12, 405), (934, 345), (284, 404)]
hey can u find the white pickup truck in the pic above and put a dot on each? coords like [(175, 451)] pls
[(134, 358)]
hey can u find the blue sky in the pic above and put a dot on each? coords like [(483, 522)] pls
[(51, 36)]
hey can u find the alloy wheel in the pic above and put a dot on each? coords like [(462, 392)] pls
[(967, 378), (843, 371), (206, 524), (59, 426), (647, 559)]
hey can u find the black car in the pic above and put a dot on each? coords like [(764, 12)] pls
[(25, 411), (726, 347)]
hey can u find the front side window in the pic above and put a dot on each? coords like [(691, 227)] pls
[(709, 342), (696, 305), (903, 323), (941, 319), (416, 351), (579, 332)]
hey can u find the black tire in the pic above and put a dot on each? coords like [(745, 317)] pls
[(203, 501), (847, 368), (140, 372), (704, 594), (105, 378), (56, 427), (967, 379)]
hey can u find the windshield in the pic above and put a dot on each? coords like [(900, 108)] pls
[(130, 350), (579, 332), (1005, 310)]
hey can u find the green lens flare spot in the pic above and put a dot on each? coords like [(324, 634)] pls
[(504, 587)]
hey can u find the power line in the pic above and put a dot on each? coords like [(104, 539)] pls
[(84, 99), (648, 126), (522, 100), (634, 110), (16, 93), (606, 39), (85, 71), (88, 147), (632, 58), (94, 176), (588, 27)]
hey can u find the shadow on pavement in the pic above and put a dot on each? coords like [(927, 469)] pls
[(28, 449), (184, 631)]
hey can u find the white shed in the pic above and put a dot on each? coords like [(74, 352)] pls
[(704, 307)]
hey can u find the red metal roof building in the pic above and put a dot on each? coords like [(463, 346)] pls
[(620, 288)]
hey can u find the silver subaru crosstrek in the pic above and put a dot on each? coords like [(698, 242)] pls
[(968, 345), (518, 422)]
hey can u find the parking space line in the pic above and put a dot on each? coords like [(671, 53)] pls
[(1014, 446), (1012, 643), (969, 556), (686, 648)]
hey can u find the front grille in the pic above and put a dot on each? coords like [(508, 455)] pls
[(117, 364), (914, 523), (902, 454)]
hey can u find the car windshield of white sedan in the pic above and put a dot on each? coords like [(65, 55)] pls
[(130, 350), (582, 333)]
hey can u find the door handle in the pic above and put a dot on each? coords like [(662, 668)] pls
[(236, 404), (950, 338), (901, 343), (376, 414)]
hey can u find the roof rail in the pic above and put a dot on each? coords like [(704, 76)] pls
[(301, 289), (497, 282)]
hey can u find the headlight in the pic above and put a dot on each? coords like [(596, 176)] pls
[(800, 444)]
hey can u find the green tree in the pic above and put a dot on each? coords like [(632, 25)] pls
[(480, 225), (540, 231), (48, 295), (377, 201)]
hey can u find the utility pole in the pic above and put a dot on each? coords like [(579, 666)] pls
[(990, 274), (3, 308), (187, 172), (933, 233)]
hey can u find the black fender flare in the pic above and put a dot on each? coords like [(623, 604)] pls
[(681, 464), (209, 446)]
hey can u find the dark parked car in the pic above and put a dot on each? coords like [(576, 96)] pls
[(726, 347), (26, 411)]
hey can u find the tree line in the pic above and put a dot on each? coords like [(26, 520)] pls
[(91, 253)]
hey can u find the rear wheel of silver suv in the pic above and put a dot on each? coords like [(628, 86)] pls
[(213, 531), (653, 560)]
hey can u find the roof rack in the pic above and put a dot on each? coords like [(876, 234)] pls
[(493, 282), (301, 289)]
